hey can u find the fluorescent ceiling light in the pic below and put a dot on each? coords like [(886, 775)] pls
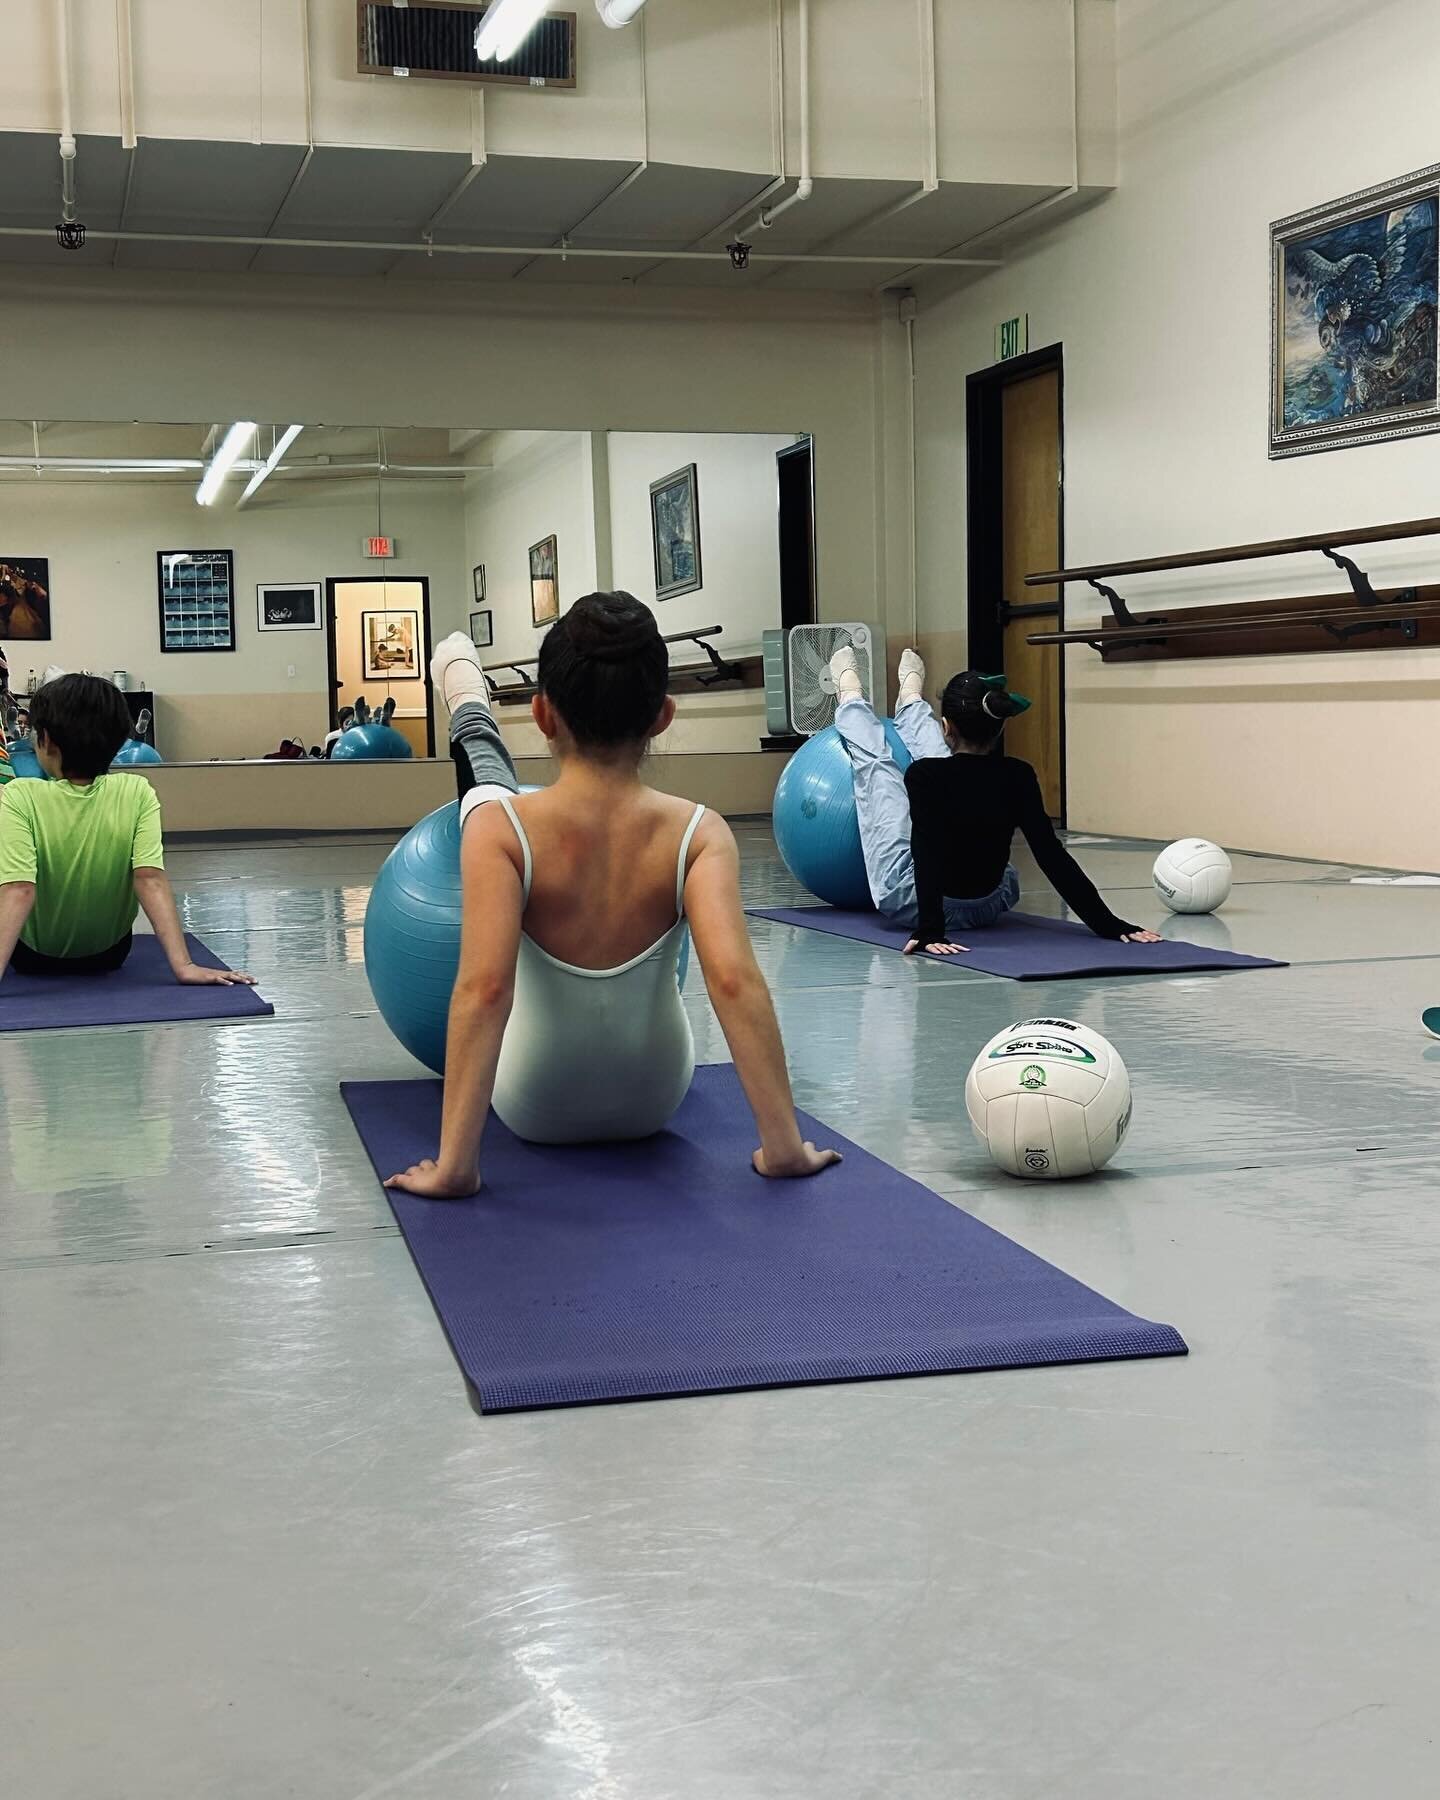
[(505, 27), (282, 444), (237, 442)]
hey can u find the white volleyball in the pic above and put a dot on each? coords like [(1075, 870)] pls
[(1049, 1098), (1193, 876)]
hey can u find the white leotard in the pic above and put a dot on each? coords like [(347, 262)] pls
[(591, 1054)]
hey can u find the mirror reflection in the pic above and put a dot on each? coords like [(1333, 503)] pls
[(260, 589)]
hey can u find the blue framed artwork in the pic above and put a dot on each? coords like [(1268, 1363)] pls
[(675, 528), (1353, 318)]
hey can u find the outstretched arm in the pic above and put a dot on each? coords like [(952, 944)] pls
[(1066, 876), (17, 900), (493, 904), (742, 1004), (157, 902)]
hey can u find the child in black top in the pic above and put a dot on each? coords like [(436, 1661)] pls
[(937, 842)]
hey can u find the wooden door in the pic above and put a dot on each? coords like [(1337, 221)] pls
[(359, 609), (1030, 477)]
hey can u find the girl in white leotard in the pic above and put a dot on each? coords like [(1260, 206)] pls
[(566, 1014)]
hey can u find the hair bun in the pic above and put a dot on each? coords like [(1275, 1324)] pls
[(614, 633)]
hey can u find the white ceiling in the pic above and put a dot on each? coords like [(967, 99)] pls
[(393, 197)]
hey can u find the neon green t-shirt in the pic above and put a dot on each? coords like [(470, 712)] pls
[(79, 845)]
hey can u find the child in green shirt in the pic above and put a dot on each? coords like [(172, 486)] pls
[(81, 853)]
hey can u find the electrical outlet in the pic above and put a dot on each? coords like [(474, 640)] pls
[(290, 670)]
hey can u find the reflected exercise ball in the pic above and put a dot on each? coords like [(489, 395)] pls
[(25, 762), (371, 743), (412, 933), (817, 831), (1192, 876), (135, 750), (1049, 1098)]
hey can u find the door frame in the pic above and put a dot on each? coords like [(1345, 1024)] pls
[(803, 446), (984, 517), (331, 680)]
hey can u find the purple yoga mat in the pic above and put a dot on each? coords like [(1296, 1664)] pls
[(143, 992), (599, 1272), (1024, 946)]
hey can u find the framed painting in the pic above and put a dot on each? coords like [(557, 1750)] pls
[(25, 598), (544, 582), (675, 529), (390, 645), (477, 578), (289, 606), (197, 599), (1353, 318), (482, 629)]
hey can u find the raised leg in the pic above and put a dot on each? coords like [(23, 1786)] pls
[(483, 766), (920, 730), (882, 807)]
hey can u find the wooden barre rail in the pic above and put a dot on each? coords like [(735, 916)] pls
[(1104, 637), (704, 675), (1195, 559)]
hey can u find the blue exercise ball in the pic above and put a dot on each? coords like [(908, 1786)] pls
[(135, 750), (25, 762), (816, 828), (371, 743), (412, 933)]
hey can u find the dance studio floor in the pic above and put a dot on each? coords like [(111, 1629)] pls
[(255, 1543)]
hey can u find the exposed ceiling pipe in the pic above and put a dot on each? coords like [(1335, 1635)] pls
[(572, 252), (617, 14), (67, 132), (804, 187), (125, 70)]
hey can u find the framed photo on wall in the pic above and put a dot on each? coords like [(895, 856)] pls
[(477, 577), (482, 629), (1353, 336), (25, 599), (544, 582), (289, 606), (675, 528), (197, 599), (390, 645)]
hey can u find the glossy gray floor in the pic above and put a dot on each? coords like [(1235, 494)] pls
[(255, 1543)]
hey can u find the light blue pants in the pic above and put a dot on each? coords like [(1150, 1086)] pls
[(883, 809)]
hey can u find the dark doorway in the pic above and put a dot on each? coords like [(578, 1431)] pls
[(795, 471), (1016, 515)]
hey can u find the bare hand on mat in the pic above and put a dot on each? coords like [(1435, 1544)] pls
[(1142, 937), (196, 975), (431, 1182), (936, 949), (806, 1160)]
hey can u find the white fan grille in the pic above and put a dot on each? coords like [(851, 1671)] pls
[(812, 692)]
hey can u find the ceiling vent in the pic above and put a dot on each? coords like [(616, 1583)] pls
[(436, 41)]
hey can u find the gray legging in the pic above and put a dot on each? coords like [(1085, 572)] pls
[(481, 759)]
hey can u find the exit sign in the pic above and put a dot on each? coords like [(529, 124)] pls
[(1012, 337), (378, 546)]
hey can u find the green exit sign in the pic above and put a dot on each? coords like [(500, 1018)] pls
[(1012, 337)]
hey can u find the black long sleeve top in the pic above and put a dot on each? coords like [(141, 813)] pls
[(964, 813)]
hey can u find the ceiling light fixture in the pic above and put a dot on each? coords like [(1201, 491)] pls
[(267, 468), (236, 443), (505, 27)]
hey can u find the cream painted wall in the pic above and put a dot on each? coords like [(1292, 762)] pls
[(1160, 297), (102, 540)]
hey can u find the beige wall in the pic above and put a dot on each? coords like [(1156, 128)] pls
[(1160, 297)]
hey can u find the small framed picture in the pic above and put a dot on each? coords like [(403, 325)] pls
[(675, 527), (390, 643), (25, 598), (482, 629), (544, 582), (289, 606), (477, 576)]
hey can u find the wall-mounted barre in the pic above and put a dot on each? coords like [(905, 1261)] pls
[(1288, 625), (707, 674)]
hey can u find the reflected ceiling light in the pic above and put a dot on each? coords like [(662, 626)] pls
[(236, 443), (282, 444), (505, 27)]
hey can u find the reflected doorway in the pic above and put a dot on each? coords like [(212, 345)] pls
[(379, 631)]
